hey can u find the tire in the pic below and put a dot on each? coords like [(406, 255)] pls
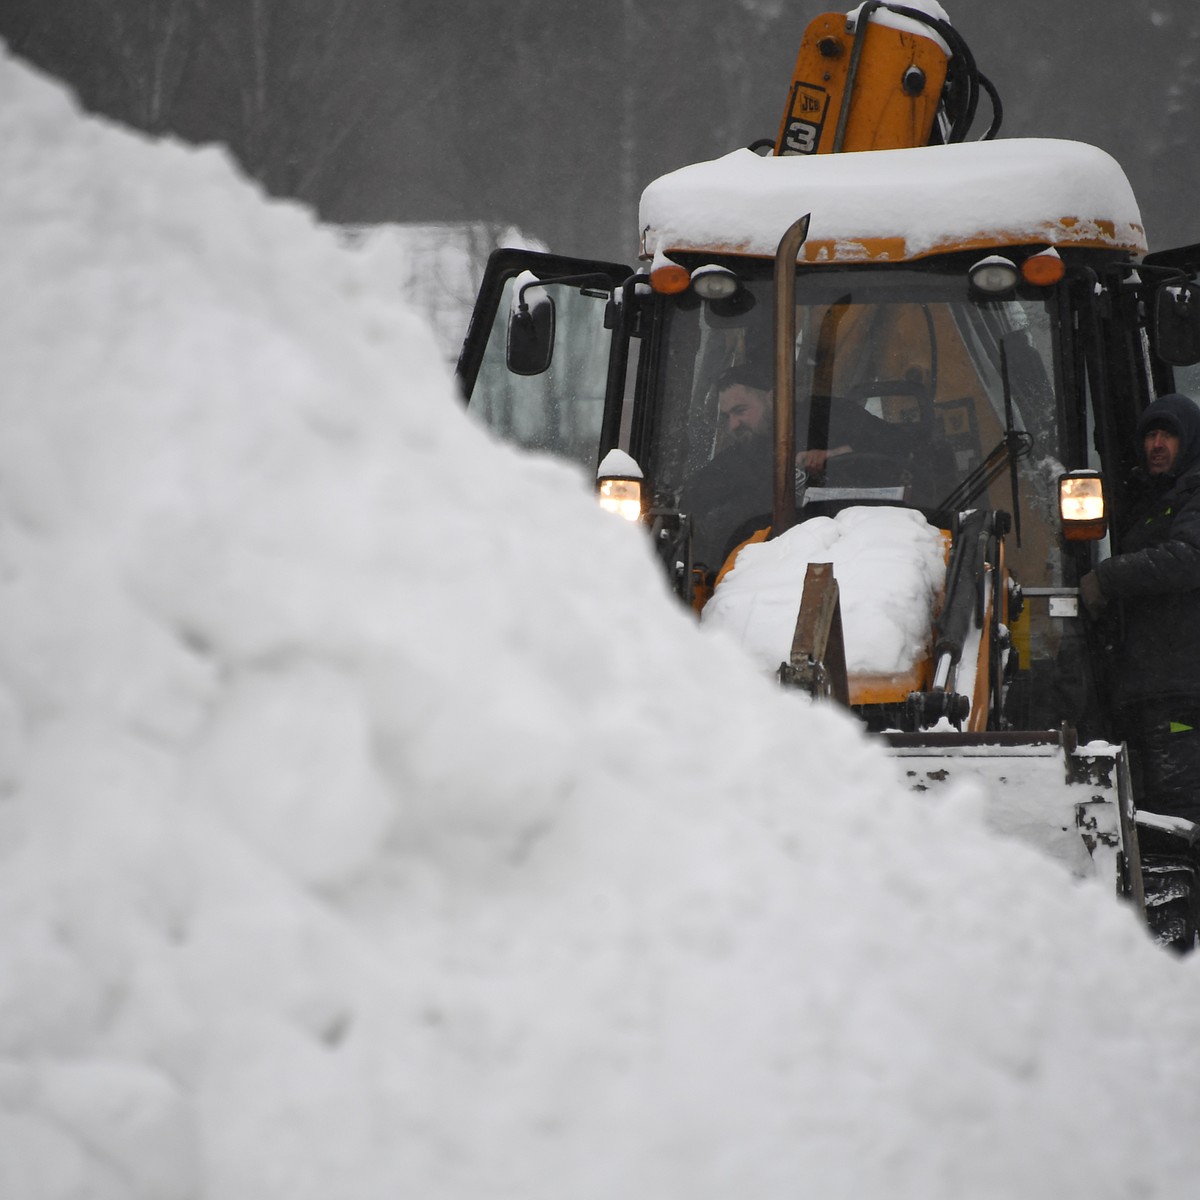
[(1172, 899)]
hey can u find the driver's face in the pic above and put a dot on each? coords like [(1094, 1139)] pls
[(745, 411), (1162, 449)]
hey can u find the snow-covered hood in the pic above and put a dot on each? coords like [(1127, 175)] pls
[(891, 569), (894, 205)]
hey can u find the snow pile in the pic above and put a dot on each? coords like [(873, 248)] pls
[(968, 195), (890, 567), (373, 825)]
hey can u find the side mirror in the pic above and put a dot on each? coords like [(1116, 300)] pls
[(530, 346), (1177, 323)]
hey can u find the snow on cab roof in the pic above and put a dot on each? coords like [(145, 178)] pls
[(893, 205)]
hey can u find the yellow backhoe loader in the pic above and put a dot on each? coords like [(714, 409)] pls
[(955, 339)]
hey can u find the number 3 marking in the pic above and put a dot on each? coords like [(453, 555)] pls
[(802, 138)]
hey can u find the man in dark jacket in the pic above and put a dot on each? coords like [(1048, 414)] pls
[(1157, 577)]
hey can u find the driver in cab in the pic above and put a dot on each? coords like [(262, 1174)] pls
[(735, 488), (746, 404)]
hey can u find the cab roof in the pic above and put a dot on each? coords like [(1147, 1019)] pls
[(898, 205)]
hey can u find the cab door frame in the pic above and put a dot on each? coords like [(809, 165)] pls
[(610, 323)]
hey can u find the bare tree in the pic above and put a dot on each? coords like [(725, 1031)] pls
[(154, 53)]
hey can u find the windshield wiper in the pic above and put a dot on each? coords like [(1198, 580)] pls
[(1016, 444)]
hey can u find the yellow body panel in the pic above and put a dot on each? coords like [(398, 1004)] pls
[(977, 722), (890, 689), (883, 114), (1059, 231)]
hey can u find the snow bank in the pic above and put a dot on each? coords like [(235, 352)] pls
[(373, 825)]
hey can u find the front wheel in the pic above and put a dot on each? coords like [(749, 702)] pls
[(1171, 881), (1172, 896)]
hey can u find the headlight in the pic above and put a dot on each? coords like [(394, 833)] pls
[(622, 496), (1081, 506), (619, 483), (712, 282), (994, 275)]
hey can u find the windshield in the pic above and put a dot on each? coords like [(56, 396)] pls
[(908, 390)]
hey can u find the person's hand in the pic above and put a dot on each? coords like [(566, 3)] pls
[(815, 460), (1093, 598)]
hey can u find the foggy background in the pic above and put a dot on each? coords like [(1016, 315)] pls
[(552, 115)]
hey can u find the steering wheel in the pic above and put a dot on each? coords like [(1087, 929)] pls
[(867, 469)]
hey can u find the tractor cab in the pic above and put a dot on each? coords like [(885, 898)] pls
[(956, 329)]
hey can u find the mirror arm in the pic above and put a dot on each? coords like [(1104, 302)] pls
[(581, 280)]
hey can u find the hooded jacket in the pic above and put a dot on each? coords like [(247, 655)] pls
[(1157, 573)]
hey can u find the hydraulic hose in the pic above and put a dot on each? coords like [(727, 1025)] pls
[(963, 79)]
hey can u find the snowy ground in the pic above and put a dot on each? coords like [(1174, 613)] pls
[(372, 825)]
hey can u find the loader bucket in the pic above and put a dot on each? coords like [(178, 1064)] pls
[(1069, 802)]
